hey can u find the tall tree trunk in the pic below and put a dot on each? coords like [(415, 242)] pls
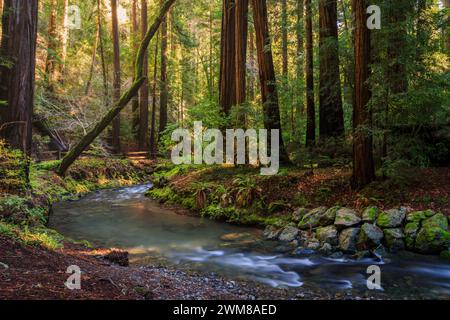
[(102, 51), (64, 40), (331, 114), (50, 62), (135, 36), (240, 36), (252, 57), (269, 92), (91, 69), (363, 164), (163, 99), (233, 56), (76, 151), (18, 45), (153, 147), (300, 48), (309, 74), (143, 99), (284, 40), (227, 88), (116, 81)]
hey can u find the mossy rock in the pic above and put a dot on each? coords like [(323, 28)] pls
[(419, 216), (328, 235), (391, 218), (394, 239), (298, 214), (346, 217), (370, 236), (370, 214), (438, 220), (411, 230), (318, 217), (432, 239)]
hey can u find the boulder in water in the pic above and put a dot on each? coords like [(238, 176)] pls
[(370, 236), (394, 239), (288, 234), (328, 234), (347, 239)]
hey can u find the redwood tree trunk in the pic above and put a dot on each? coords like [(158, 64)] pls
[(269, 92), (64, 40), (19, 33), (135, 44), (50, 62), (309, 74), (241, 31), (284, 26), (153, 147), (363, 165), (116, 81), (163, 84), (331, 115), (227, 89), (143, 99)]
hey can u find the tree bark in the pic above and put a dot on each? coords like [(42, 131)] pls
[(163, 98), (331, 114), (94, 55), (75, 152), (135, 45), (18, 46), (102, 51), (300, 48), (269, 92), (363, 164), (143, 99), (116, 80), (309, 74), (64, 40), (50, 62), (227, 89), (284, 26), (241, 32), (153, 147)]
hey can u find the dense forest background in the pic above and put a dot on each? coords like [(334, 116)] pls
[(333, 86)]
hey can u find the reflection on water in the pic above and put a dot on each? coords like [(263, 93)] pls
[(125, 218)]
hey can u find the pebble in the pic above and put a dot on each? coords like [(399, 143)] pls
[(5, 266)]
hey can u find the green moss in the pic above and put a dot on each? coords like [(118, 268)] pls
[(36, 236), (371, 213)]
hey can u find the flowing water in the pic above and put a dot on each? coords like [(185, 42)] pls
[(125, 218)]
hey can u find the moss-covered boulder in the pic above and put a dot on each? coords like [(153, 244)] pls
[(434, 236), (346, 217), (318, 217), (419, 216), (347, 239), (391, 218), (394, 239), (272, 233), (370, 214), (288, 234), (411, 230), (328, 235), (370, 236), (298, 214)]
